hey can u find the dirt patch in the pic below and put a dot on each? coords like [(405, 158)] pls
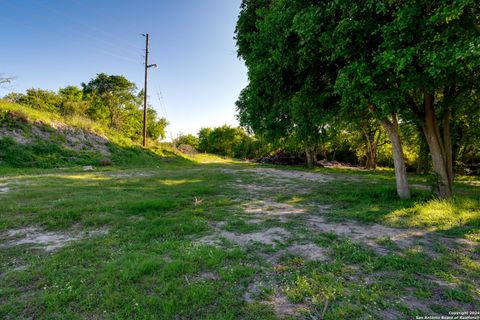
[(421, 187), (254, 221), (74, 138), (282, 306), (371, 234), (272, 209), (309, 252), (45, 240), (15, 134), (203, 276), (20, 268), (127, 174), (415, 304), (208, 276), (278, 301), (4, 188), (368, 234), (255, 189), (390, 314), (291, 174), (271, 236)]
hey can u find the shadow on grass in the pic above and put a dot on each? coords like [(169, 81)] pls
[(369, 200)]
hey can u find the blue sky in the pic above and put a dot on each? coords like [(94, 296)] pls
[(53, 43)]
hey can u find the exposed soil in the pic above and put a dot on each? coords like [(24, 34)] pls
[(44, 240), (309, 252), (282, 306), (271, 236), (130, 174), (260, 205), (74, 138), (371, 234), (15, 134), (290, 174), (421, 187), (272, 209), (278, 301), (4, 188)]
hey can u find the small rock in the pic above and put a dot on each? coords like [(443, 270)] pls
[(88, 168)]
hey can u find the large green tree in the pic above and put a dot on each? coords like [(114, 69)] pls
[(110, 95), (432, 49), (115, 101), (394, 59), (289, 96)]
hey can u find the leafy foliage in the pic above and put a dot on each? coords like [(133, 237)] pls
[(231, 142), (111, 100), (187, 139), (317, 65)]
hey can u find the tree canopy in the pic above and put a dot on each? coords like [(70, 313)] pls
[(320, 64), (112, 100)]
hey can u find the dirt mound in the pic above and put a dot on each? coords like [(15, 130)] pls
[(187, 149), (25, 133)]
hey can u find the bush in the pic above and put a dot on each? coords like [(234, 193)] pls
[(231, 142), (41, 100), (187, 139)]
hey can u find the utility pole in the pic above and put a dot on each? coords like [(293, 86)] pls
[(145, 90)]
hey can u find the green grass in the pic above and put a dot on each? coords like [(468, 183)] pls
[(148, 266), (373, 199), (30, 115), (151, 263), (52, 152)]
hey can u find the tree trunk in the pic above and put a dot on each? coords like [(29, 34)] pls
[(391, 127), (310, 154), (440, 147), (371, 152), (371, 161), (423, 164), (447, 141)]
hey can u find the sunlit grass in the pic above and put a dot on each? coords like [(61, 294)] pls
[(151, 264), (170, 182), (459, 215), (210, 158)]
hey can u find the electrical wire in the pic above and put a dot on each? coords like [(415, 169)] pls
[(161, 101), (94, 30), (91, 12), (129, 58)]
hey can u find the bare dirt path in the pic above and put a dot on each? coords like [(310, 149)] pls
[(279, 225), (259, 205)]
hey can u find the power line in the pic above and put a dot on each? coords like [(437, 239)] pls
[(83, 33), (94, 29), (97, 48), (161, 101), (91, 12)]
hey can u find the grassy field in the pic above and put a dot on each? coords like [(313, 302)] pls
[(208, 238)]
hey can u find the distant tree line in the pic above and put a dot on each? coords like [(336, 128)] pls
[(343, 146), (226, 141), (406, 72), (110, 100)]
